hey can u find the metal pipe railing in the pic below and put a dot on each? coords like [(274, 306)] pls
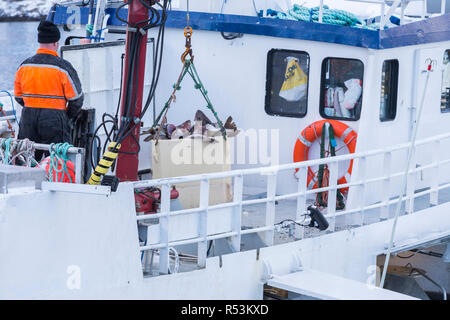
[(268, 228), (441, 287), (46, 147), (290, 166), (76, 155)]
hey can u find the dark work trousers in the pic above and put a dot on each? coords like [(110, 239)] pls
[(44, 126)]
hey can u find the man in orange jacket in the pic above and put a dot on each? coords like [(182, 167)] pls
[(49, 89)]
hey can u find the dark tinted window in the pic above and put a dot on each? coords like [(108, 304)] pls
[(389, 89), (341, 89), (445, 92), (287, 83)]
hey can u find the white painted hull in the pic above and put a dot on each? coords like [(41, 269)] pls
[(83, 244), (44, 248)]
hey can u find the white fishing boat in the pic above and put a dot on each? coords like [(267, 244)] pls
[(327, 105)]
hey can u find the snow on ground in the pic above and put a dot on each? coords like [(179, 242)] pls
[(21, 9)]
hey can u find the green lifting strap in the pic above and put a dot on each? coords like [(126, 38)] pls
[(340, 198), (189, 68)]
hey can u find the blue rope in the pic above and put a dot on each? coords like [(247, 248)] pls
[(99, 32), (7, 150), (95, 38), (58, 152), (12, 104), (330, 16), (90, 29)]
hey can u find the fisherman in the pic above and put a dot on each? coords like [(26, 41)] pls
[(49, 89)]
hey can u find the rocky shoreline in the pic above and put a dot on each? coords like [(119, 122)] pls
[(24, 10), (21, 19)]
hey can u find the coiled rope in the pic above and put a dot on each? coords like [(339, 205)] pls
[(330, 16), (12, 150), (59, 155), (21, 152)]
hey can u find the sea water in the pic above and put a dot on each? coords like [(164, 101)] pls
[(18, 41)]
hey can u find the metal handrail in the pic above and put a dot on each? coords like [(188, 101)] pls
[(268, 228), (296, 165), (423, 274)]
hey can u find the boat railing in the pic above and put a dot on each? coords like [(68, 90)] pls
[(75, 154), (393, 6), (359, 184)]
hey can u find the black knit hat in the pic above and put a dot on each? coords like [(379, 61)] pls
[(48, 32)]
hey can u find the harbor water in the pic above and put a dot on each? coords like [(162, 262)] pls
[(18, 42)]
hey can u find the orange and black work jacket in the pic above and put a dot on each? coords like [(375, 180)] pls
[(47, 81)]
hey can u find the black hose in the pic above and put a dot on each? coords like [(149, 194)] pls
[(119, 133)]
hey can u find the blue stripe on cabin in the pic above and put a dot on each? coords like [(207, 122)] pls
[(426, 31)]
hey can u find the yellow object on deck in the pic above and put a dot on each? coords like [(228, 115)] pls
[(105, 163)]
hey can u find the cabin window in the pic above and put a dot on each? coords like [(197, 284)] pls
[(445, 92), (341, 89), (389, 89), (287, 83)]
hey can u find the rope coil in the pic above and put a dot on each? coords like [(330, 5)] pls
[(17, 152), (330, 16), (59, 156)]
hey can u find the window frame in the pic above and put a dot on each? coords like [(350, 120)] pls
[(269, 73), (443, 110), (322, 88), (395, 101)]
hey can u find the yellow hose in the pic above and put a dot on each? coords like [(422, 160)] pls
[(105, 163)]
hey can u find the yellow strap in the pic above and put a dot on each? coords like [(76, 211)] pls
[(111, 155), (106, 163), (100, 171)]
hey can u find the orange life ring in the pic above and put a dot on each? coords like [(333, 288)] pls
[(313, 132)]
